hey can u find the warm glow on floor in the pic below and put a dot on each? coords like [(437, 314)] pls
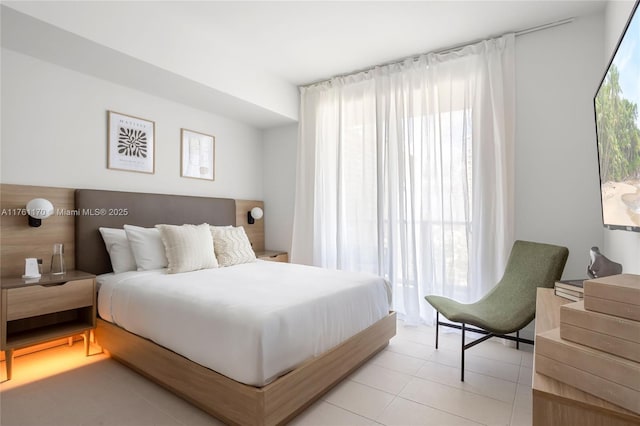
[(48, 363)]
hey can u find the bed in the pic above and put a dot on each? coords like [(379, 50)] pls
[(267, 384)]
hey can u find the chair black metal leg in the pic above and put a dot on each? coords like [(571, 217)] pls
[(437, 325), (462, 356), (487, 335)]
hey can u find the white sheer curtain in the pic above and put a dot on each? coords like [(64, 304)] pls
[(406, 171)]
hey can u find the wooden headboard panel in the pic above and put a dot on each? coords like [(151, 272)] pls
[(113, 209), (18, 240), (255, 232)]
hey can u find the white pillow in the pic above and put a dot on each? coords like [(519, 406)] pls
[(147, 247), (117, 244), (188, 247), (232, 246)]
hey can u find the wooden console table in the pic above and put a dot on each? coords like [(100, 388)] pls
[(556, 403)]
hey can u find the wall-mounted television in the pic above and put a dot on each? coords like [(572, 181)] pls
[(617, 111)]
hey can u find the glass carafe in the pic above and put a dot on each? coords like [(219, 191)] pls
[(57, 260)]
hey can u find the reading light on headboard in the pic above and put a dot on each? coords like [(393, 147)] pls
[(38, 209), (254, 214)]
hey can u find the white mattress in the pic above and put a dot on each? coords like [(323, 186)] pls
[(251, 322)]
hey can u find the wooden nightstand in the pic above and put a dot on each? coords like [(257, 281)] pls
[(51, 307), (273, 256)]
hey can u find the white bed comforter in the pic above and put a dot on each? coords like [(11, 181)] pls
[(251, 322)]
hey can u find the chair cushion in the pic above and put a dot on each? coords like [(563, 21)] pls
[(493, 319)]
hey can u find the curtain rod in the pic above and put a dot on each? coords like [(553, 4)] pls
[(449, 49)]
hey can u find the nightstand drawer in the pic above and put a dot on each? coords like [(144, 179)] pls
[(280, 257), (39, 300), (284, 257)]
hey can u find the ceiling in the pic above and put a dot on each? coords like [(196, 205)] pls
[(259, 52)]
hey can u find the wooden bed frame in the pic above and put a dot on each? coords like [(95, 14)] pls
[(237, 403), (222, 397)]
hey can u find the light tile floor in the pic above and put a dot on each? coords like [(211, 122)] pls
[(409, 383)]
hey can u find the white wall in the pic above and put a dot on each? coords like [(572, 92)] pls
[(620, 246), (280, 150), (54, 134), (557, 184)]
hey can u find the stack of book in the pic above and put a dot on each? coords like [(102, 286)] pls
[(570, 289), (597, 346)]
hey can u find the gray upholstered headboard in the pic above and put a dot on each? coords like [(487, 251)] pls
[(113, 209)]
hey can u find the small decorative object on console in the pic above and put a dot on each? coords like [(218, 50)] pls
[(600, 266)]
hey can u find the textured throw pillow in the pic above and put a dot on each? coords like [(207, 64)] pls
[(117, 244), (188, 247), (232, 246), (147, 247)]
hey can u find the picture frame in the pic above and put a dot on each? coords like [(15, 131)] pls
[(197, 159), (131, 143)]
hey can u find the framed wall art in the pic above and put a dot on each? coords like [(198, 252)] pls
[(131, 143), (198, 155)]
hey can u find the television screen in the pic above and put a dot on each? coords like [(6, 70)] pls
[(618, 131)]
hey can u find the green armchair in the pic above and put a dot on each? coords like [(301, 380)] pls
[(511, 304)]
